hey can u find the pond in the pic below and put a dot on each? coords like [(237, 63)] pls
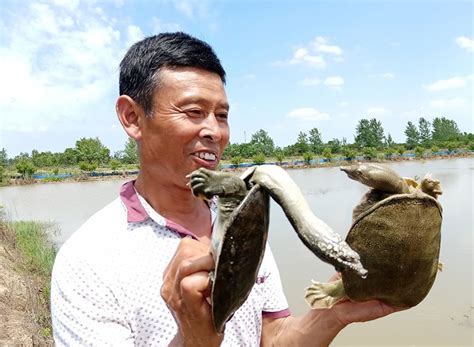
[(444, 318)]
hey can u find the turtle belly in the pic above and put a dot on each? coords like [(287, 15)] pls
[(398, 241)]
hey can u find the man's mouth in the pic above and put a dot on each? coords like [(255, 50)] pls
[(208, 156)]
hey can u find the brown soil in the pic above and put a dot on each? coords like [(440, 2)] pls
[(19, 306)]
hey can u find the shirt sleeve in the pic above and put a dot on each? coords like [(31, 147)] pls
[(275, 305), (84, 309)]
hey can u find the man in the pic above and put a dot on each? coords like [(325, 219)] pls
[(136, 273)]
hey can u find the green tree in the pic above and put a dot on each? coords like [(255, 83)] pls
[(327, 153), (389, 143), (419, 151), (262, 142), (259, 159), (369, 133), (68, 157), (307, 157), (445, 130), (301, 146), (25, 168), (92, 151), (279, 155), (334, 145), (370, 153), (130, 152), (413, 136), (114, 164), (424, 128), (315, 141), (349, 153), (236, 161), (3, 158)]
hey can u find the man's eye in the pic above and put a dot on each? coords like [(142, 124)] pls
[(222, 116), (194, 113)]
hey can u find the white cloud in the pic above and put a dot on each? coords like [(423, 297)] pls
[(192, 8), (303, 56), (308, 114), (249, 76), (466, 43), (448, 103), (134, 34), (385, 76), (334, 82), (376, 111), (59, 62), (344, 104), (313, 54), (320, 45), (450, 83), (310, 82), (158, 26)]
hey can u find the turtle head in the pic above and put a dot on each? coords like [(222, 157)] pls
[(431, 186), (358, 172)]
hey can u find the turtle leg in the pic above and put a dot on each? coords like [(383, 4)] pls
[(325, 295), (440, 266), (206, 183)]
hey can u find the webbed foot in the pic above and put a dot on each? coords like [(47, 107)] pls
[(324, 295)]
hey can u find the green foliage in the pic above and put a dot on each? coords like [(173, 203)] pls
[(349, 153), (369, 133), (259, 159), (389, 141), (451, 146), (2, 174), (114, 164), (370, 153), (419, 151), (85, 166), (434, 149), (279, 155), (130, 153), (327, 153), (237, 160), (56, 170), (424, 128), (471, 146), (412, 136), (3, 157), (45, 159), (69, 157), (401, 150), (445, 130), (315, 141), (307, 157), (389, 152), (92, 150), (301, 146), (25, 168), (262, 143), (334, 145)]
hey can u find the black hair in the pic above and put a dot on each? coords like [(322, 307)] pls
[(144, 59)]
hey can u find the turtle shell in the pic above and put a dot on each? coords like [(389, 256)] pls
[(239, 255), (398, 240)]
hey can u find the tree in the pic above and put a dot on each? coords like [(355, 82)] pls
[(301, 146), (413, 136), (424, 128), (369, 133), (69, 157), (92, 151), (262, 143), (25, 168), (130, 153), (334, 145), (389, 141), (315, 141), (445, 130), (3, 157)]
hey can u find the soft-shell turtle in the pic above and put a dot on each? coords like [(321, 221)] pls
[(396, 230), (240, 231)]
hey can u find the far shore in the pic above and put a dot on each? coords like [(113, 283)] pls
[(226, 166)]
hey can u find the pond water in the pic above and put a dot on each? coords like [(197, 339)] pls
[(444, 318)]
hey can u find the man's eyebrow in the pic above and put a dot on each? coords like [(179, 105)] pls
[(198, 100)]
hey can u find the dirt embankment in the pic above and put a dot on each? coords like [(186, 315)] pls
[(20, 307)]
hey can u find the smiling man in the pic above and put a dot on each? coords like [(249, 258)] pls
[(137, 272)]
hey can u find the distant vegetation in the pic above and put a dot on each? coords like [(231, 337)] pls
[(370, 142)]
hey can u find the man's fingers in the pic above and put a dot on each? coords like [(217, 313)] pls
[(195, 287), (189, 267)]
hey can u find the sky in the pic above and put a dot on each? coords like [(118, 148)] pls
[(291, 65)]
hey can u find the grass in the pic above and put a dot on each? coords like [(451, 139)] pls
[(34, 256)]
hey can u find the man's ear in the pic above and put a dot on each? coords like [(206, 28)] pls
[(129, 113)]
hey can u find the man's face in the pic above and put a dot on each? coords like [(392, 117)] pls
[(189, 126)]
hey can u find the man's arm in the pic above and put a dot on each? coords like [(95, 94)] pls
[(319, 327)]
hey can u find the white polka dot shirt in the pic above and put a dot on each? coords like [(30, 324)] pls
[(107, 277)]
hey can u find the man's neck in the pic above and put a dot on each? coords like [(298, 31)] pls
[(177, 204)]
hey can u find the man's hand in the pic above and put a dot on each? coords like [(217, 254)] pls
[(186, 285)]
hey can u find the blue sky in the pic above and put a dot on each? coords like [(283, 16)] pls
[(291, 65)]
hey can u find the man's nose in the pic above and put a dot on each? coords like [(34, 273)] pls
[(211, 128)]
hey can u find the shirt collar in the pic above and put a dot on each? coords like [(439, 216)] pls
[(136, 212)]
